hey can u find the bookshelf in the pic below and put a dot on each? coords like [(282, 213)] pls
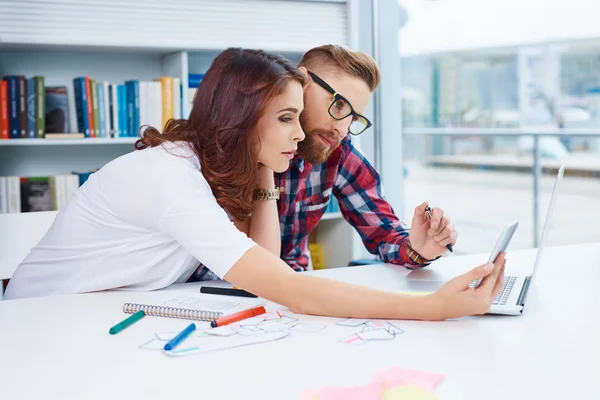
[(143, 41), (69, 142)]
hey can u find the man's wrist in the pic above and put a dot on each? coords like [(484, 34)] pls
[(416, 257)]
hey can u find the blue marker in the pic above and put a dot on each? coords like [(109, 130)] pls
[(180, 337)]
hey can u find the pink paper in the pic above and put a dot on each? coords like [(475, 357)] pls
[(372, 391), (381, 382)]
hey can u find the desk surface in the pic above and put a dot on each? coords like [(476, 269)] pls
[(59, 347)]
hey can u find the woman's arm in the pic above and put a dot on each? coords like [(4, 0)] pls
[(263, 226), (265, 275), (198, 224)]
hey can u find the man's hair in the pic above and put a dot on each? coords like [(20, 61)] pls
[(354, 63)]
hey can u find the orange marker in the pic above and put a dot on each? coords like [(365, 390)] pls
[(228, 319)]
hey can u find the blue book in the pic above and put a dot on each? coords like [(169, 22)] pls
[(133, 107), (31, 110), (81, 106), (101, 109), (122, 107), (194, 80), (13, 106)]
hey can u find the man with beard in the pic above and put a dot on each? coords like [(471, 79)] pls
[(327, 164)]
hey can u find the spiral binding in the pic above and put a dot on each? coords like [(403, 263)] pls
[(172, 312)]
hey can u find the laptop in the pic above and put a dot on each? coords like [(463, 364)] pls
[(512, 297)]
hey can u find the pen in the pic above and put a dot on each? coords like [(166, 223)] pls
[(226, 291), (180, 337), (428, 212), (228, 319), (126, 323)]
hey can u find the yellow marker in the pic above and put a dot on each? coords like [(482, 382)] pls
[(407, 392)]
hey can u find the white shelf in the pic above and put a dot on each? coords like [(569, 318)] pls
[(61, 142), (330, 216)]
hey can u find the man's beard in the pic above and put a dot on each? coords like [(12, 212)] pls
[(313, 150)]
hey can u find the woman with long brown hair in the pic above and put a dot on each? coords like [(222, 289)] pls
[(203, 192)]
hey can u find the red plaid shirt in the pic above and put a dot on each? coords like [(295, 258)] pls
[(349, 177)]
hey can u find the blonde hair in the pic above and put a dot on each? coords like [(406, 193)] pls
[(354, 63)]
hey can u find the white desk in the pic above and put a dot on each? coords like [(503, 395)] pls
[(59, 348)]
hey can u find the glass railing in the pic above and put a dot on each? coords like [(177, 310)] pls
[(486, 178)]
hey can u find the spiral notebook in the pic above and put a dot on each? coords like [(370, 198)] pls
[(191, 306)]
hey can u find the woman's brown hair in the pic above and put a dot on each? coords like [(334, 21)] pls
[(221, 127)]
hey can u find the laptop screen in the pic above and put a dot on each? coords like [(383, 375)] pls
[(548, 222)]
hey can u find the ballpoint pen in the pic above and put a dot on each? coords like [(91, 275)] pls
[(428, 212)]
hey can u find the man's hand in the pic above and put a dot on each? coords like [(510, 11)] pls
[(429, 239)]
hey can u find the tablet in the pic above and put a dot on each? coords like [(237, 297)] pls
[(501, 244)]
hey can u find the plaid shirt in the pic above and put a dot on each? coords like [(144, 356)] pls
[(307, 191), (354, 182)]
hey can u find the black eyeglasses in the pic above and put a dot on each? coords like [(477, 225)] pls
[(341, 108)]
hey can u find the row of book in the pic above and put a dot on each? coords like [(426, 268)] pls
[(22, 107), (29, 194), (29, 109), (119, 110)]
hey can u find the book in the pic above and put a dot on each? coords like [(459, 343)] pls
[(81, 105), (176, 98), (167, 99), (187, 305), (3, 195), (57, 111), (13, 105), (31, 113), (101, 109), (35, 194), (90, 105), (64, 135), (22, 107), (40, 107), (133, 107), (96, 116), (4, 127)]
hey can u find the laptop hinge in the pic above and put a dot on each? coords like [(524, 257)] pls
[(524, 290)]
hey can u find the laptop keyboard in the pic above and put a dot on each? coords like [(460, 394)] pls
[(507, 286)]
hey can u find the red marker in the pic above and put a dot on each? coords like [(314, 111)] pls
[(228, 319)]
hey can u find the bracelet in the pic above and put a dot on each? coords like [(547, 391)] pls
[(266, 194), (418, 259)]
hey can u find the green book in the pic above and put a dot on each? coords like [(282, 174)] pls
[(95, 108), (40, 107)]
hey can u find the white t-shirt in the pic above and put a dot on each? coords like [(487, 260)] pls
[(142, 222)]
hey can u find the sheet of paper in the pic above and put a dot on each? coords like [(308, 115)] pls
[(352, 322), (224, 330), (215, 343), (247, 330), (311, 328), (154, 344)]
